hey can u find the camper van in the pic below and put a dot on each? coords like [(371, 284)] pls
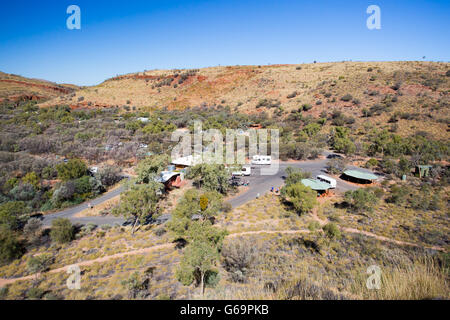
[(246, 171), (326, 179), (258, 159)]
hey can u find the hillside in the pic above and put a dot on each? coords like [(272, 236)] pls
[(415, 93), (14, 87), (255, 244)]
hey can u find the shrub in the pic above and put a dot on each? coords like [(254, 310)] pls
[(35, 293), (347, 97), (292, 95), (396, 86), (38, 264), (295, 175), (4, 292), (306, 107), (62, 230), (31, 178), (398, 194), (313, 225), (23, 192), (361, 200), (332, 230), (344, 145), (238, 258), (371, 163), (336, 165), (32, 228), (138, 284), (109, 175), (88, 228), (64, 192), (160, 231), (227, 207)]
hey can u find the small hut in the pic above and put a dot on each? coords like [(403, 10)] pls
[(423, 170)]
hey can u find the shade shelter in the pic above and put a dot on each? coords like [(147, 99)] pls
[(316, 185), (357, 176)]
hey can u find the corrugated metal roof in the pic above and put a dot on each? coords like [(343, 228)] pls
[(360, 175), (316, 184), (425, 166), (166, 175)]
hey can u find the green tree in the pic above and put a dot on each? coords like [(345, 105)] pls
[(303, 198), (312, 129), (73, 169), (199, 260), (296, 175), (62, 230), (13, 214), (150, 167), (10, 246), (140, 202), (344, 145), (404, 166), (191, 204), (213, 177)]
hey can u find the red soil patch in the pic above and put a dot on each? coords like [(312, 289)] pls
[(38, 85)]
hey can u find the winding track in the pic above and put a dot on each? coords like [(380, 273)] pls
[(4, 281)]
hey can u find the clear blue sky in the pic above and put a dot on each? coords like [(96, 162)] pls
[(118, 37)]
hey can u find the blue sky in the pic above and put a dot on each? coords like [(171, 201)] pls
[(118, 37)]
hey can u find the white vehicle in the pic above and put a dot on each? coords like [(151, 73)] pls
[(258, 159), (326, 179), (246, 171)]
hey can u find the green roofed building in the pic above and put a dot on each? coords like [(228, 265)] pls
[(359, 176), (316, 185), (423, 170)]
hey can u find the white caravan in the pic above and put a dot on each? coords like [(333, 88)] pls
[(258, 159), (326, 179), (246, 171)]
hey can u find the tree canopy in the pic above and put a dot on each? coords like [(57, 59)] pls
[(140, 202), (212, 177)]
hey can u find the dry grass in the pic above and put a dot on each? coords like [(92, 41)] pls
[(420, 279)]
